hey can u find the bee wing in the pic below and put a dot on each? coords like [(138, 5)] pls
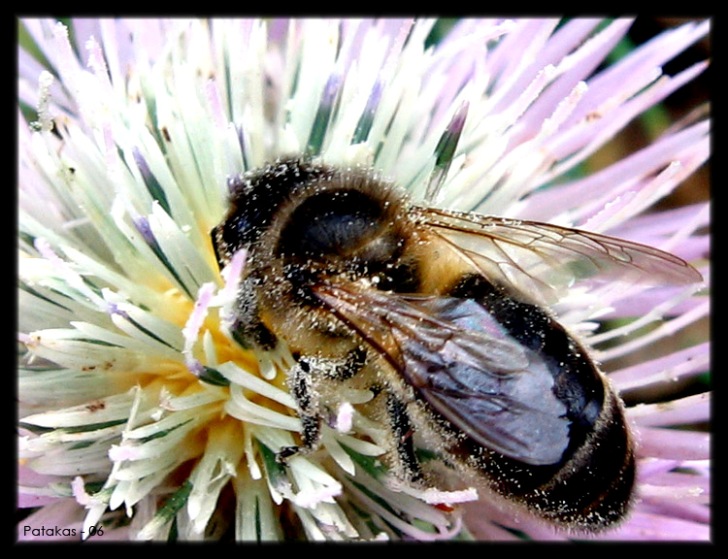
[(461, 361), (541, 259)]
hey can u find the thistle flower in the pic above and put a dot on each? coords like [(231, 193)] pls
[(140, 417)]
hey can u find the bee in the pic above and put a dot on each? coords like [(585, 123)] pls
[(444, 317)]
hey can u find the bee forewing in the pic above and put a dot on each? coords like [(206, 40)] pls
[(543, 260), (462, 363)]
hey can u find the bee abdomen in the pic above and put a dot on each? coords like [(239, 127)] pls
[(592, 490), (589, 490)]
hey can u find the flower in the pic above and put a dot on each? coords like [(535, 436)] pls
[(140, 416)]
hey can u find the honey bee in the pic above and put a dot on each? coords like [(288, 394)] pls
[(444, 316)]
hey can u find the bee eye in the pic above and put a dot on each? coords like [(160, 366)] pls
[(330, 223)]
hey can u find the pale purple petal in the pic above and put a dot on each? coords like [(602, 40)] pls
[(527, 39), (665, 370), (651, 225), (601, 125), (580, 64), (664, 330), (460, 59), (656, 442), (617, 178), (684, 411), (646, 57), (644, 526), (675, 486), (647, 302), (677, 507), (488, 519), (33, 488)]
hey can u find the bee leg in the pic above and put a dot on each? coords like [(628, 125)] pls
[(310, 434), (302, 390), (402, 431), (344, 370)]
